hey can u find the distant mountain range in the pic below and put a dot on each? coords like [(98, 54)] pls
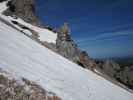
[(124, 61)]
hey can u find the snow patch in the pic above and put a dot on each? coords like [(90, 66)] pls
[(44, 34)]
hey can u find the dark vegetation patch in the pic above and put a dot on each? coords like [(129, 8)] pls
[(11, 6), (2, 0)]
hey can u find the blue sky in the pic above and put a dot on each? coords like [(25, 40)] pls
[(104, 28)]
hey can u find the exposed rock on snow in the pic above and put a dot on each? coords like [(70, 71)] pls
[(24, 9), (86, 61), (65, 45), (42, 34), (22, 89)]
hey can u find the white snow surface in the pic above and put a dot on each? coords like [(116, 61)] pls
[(24, 57), (3, 6), (44, 34)]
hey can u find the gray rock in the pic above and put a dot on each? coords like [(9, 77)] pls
[(121, 74), (111, 68), (126, 76), (24, 9), (86, 61), (65, 45)]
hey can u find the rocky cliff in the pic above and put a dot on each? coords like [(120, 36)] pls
[(24, 9)]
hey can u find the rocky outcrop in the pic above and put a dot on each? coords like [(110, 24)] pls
[(86, 61), (24, 9), (125, 76), (68, 48), (119, 73), (65, 45), (22, 89), (110, 67)]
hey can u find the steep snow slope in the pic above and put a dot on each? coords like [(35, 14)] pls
[(24, 57), (44, 34)]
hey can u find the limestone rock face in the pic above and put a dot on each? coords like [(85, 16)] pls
[(68, 48), (65, 45), (24, 9)]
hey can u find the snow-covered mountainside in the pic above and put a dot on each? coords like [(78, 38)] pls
[(25, 58)]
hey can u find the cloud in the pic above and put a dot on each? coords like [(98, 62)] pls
[(105, 36), (108, 35)]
